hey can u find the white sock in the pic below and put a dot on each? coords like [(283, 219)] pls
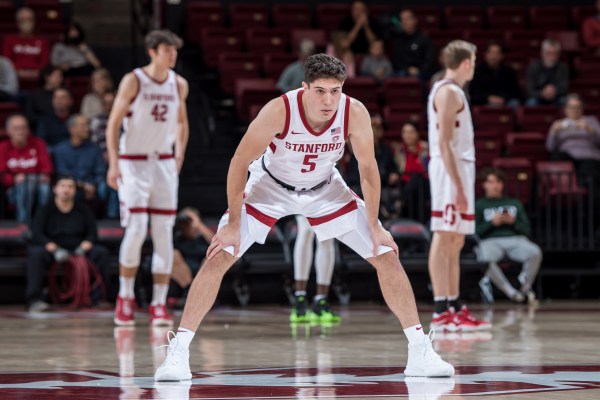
[(414, 333), (319, 297), (159, 294), (126, 287), (300, 293), (184, 337)]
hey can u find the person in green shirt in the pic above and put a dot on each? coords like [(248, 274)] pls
[(503, 227)]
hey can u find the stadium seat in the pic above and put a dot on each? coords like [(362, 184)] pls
[(267, 40), (202, 15), (395, 115), (488, 146), (48, 14), (319, 36), (291, 16), (380, 10), (557, 182), (329, 16), (519, 177), (78, 86), (586, 67), (363, 88), (412, 237), (481, 38), (569, 40), (441, 37), (402, 91), (527, 144), (248, 15), (579, 13), (6, 109), (463, 17), (429, 17), (493, 118), (275, 63), (219, 40), (588, 89), (234, 66), (548, 17), (536, 119), (506, 17), (527, 42), (249, 92)]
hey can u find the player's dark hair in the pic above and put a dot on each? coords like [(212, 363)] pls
[(157, 37), (498, 173), (456, 52), (322, 66)]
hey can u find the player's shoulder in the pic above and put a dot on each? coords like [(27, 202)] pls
[(356, 106), (448, 95), (182, 85)]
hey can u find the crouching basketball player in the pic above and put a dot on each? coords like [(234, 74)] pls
[(151, 104), (303, 133)]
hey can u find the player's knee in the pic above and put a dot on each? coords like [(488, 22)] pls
[(135, 234), (219, 264), (162, 240)]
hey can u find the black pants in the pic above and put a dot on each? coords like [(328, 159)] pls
[(39, 261), (585, 168), (416, 196)]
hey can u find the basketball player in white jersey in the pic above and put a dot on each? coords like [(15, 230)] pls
[(452, 180), (144, 167), (324, 262), (290, 150)]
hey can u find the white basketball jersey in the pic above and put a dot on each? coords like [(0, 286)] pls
[(463, 138), (301, 157), (151, 123)]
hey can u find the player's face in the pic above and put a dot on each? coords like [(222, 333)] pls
[(493, 187), (323, 98), (165, 55)]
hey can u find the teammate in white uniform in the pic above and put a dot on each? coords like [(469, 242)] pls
[(303, 133), (452, 179), (324, 264), (151, 105)]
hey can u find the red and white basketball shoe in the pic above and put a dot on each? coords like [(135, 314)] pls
[(468, 323), (159, 316), (124, 312), (445, 322)]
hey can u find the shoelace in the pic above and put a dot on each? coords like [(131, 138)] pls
[(429, 345), (170, 350), (127, 309)]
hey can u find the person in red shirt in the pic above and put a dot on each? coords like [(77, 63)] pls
[(591, 31), (28, 52), (25, 168)]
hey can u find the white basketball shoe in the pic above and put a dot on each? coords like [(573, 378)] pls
[(176, 366), (424, 361)]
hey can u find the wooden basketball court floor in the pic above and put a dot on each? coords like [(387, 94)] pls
[(547, 352)]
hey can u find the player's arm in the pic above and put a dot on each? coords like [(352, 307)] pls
[(448, 103), (183, 128), (361, 139), (262, 130), (128, 89)]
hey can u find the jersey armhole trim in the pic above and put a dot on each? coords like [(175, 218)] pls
[(346, 117), (286, 126), (139, 87)]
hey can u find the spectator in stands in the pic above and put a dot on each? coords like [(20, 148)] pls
[(9, 82), (503, 227), (292, 76), (64, 226), (80, 158), (191, 241), (412, 158), (74, 56), (51, 127), (361, 29), (388, 172), (376, 64), (414, 54), (591, 31), (100, 83), (25, 167), (27, 51), (548, 77), (39, 103), (495, 83), (339, 47), (576, 138)]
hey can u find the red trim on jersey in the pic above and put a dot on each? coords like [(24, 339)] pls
[(346, 117), (466, 217), (260, 216), (138, 210), (139, 87), (162, 211), (273, 147), (305, 121), (143, 157), (326, 218), (452, 82), (288, 115), (154, 80)]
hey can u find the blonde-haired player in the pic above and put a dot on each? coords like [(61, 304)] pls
[(452, 179), (144, 166)]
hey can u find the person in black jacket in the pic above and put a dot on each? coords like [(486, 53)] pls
[(495, 83), (414, 54), (64, 226), (362, 29)]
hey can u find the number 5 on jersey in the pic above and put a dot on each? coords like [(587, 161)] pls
[(310, 164)]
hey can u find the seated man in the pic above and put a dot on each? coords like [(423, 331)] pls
[(64, 226), (503, 226), (52, 127), (25, 168), (547, 79), (414, 53), (81, 158), (494, 82)]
